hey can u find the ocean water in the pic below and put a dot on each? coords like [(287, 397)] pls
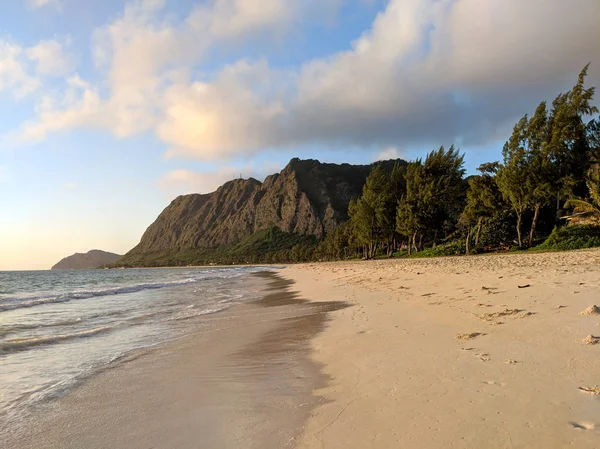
[(59, 327)]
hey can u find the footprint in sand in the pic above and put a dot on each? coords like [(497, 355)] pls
[(591, 310), (582, 425), (595, 391), (591, 340), (469, 336)]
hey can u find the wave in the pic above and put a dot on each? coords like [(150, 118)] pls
[(5, 330), (11, 303), (203, 312), (18, 303), (20, 344)]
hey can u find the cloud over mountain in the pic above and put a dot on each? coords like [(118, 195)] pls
[(426, 72)]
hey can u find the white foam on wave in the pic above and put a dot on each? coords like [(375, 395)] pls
[(19, 344), (17, 303), (11, 303)]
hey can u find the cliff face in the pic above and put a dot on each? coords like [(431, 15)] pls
[(92, 259), (307, 197)]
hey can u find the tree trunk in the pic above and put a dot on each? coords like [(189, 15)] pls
[(533, 224), (411, 243), (467, 243), (479, 222), (519, 219), (435, 238), (421, 241)]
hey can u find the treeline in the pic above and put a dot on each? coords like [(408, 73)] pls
[(550, 166), (549, 175)]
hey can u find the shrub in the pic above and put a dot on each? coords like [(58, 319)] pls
[(571, 237), (455, 248)]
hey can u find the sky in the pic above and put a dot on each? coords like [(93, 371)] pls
[(110, 109)]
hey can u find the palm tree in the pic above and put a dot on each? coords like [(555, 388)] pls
[(589, 208)]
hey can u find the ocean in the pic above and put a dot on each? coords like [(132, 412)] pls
[(58, 328)]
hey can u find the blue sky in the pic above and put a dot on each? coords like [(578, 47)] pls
[(110, 109)]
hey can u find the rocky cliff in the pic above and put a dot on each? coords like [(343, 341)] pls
[(307, 198), (92, 259)]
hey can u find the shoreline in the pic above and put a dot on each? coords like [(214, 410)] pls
[(457, 352), (243, 378)]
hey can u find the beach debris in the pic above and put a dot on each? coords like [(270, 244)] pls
[(524, 286), (428, 294), (527, 314), (469, 336), (591, 340), (591, 310), (560, 306), (493, 316), (593, 390), (511, 362)]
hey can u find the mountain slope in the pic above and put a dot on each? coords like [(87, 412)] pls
[(306, 198), (92, 259)]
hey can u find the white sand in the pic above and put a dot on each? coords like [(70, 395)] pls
[(403, 374)]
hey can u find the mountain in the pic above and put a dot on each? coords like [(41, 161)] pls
[(306, 199), (92, 259)]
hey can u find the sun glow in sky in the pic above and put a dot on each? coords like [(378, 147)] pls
[(109, 109)]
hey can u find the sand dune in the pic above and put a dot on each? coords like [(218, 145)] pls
[(470, 352)]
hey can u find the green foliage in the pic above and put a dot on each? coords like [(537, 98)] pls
[(455, 248), (570, 238), (266, 246), (434, 194), (498, 230), (372, 216)]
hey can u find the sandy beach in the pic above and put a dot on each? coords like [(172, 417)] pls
[(468, 352), (490, 352)]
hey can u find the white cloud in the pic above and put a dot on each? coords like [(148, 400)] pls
[(42, 3), (80, 106), (181, 182), (427, 72), (387, 154), (200, 118), (231, 18), (51, 59), (14, 75)]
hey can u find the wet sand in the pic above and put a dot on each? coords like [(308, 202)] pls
[(244, 380)]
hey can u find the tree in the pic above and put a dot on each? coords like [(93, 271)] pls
[(412, 206), (483, 199), (592, 206), (444, 174), (371, 214), (569, 142), (512, 175), (542, 176), (432, 192)]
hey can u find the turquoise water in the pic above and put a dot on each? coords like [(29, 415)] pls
[(59, 327)]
